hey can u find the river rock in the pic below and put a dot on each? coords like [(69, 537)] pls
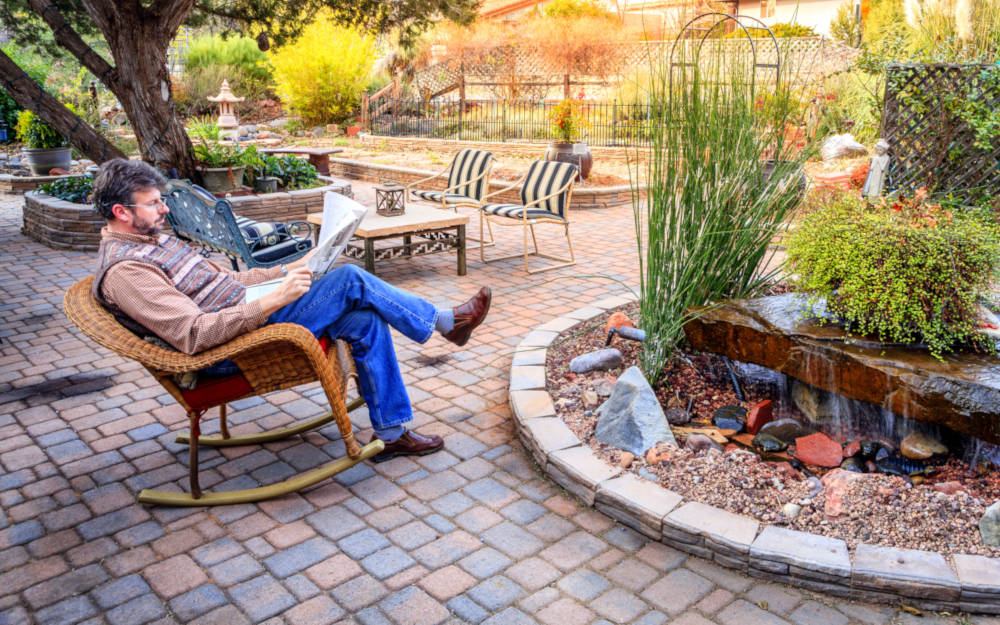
[(618, 320), (768, 443), (989, 526), (600, 360), (949, 488), (818, 449), (677, 416), (632, 419), (791, 510), (730, 418), (854, 465), (836, 484), (816, 406), (786, 430), (317, 131), (604, 387), (759, 415), (700, 442), (589, 399), (919, 446), (852, 449)]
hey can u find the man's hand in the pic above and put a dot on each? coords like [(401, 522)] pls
[(294, 286)]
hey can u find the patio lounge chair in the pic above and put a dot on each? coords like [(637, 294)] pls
[(271, 358), (200, 218), (468, 181), (545, 196)]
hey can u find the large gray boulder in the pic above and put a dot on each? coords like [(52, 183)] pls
[(989, 526), (632, 419)]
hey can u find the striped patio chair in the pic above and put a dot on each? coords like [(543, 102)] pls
[(468, 181), (545, 196)]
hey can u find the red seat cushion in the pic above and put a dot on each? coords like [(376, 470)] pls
[(215, 391)]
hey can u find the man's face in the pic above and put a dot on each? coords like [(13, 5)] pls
[(146, 214)]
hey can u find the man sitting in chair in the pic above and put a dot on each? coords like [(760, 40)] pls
[(156, 284)]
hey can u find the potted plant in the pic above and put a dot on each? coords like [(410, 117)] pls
[(46, 149), (222, 162), (567, 122)]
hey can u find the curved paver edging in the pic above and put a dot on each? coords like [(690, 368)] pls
[(19, 185), (925, 579), (583, 197)]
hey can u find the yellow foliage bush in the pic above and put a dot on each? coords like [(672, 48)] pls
[(320, 75)]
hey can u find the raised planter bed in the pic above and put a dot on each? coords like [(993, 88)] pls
[(924, 579), (19, 185), (583, 197), (65, 225)]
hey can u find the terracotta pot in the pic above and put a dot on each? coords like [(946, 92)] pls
[(43, 160), (576, 153), (353, 130)]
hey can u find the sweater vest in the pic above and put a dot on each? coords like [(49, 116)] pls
[(192, 275)]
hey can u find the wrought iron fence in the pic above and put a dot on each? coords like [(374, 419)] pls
[(606, 123)]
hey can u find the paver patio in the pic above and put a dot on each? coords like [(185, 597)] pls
[(468, 535)]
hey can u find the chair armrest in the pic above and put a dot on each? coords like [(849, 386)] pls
[(422, 180), (516, 184), (299, 230)]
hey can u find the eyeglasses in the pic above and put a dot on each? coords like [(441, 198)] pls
[(151, 204)]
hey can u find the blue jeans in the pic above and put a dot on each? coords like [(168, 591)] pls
[(351, 304)]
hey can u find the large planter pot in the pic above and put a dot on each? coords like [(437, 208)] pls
[(220, 179), (43, 160), (265, 184), (576, 153)]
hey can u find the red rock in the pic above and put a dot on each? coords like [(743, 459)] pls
[(743, 440), (657, 454), (58, 171), (618, 320), (626, 459), (730, 447), (570, 376), (836, 484), (852, 449), (784, 469), (949, 488), (818, 449), (885, 491), (758, 415)]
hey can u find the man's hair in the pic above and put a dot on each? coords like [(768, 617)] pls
[(118, 179)]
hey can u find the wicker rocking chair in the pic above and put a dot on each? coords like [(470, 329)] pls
[(271, 358)]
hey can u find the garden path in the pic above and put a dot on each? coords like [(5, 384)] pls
[(471, 534)]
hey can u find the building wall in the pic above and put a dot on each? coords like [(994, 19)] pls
[(815, 13)]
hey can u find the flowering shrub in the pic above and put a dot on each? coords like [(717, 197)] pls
[(859, 174), (907, 270), (568, 120)]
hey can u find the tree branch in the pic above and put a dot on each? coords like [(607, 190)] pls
[(71, 40), (169, 14)]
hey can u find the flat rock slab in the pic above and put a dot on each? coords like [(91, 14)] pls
[(979, 576), (638, 503), (734, 531), (962, 393)]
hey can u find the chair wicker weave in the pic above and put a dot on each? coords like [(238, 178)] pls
[(271, 358)]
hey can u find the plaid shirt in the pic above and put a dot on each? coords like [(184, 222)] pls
[(148, 296)]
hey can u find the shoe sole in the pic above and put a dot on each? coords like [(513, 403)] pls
[(377, 458), (489, 302)]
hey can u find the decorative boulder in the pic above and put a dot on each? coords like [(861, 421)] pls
[(600, 360), (989, 526), (632, 419), (818, 449), (919, 446)]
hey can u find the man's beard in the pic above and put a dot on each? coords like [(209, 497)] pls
[(148, 228)]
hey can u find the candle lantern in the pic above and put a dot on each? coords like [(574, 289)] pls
[(226, 99), (390, 199)]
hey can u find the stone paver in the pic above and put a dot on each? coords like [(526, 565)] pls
[(474, 534)]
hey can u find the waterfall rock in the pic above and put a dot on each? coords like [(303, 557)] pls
[(962, 393), (989, 526), (632, 419), (919, 446), (600, 360), (818, 449), (786, 430), (759, 415), (815, 405)]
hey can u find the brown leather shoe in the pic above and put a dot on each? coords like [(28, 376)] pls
[(409, 444), (469, 315)]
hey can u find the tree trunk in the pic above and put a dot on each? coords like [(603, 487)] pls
[(28, 94)]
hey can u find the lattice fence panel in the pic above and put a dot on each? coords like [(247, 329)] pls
[(930, 144)]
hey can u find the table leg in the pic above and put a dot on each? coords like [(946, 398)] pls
[(408, 242), (370, 256), (321, 162), (461, 250)]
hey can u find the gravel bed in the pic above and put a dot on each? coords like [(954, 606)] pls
[(878, 509)]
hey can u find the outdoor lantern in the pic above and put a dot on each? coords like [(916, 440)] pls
[(390, 199), (226, 99)]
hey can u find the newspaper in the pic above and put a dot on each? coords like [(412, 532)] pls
[(341, 217)]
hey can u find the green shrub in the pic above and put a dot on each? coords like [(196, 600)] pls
[(293, 172), (853, 104), (73, 189), (575, 8), (212, 59), (781, 30), (35, 133), (321, 75), (906, 271)]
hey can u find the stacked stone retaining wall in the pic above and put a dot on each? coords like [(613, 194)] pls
[(499, 150)]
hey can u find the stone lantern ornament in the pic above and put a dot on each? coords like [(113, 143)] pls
[(226, 99)]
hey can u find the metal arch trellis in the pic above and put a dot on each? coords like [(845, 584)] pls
[(690, 31)]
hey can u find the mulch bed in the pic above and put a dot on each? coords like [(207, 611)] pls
[(877, 509)]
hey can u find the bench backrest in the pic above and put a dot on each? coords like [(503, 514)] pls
[(198, 216)]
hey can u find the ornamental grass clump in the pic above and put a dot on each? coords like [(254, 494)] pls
[(904, 271), (723, 182)]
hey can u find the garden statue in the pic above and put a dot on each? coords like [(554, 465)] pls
[(226, 99), (877, 171)]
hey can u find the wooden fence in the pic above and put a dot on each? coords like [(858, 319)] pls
[(925, 121)]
